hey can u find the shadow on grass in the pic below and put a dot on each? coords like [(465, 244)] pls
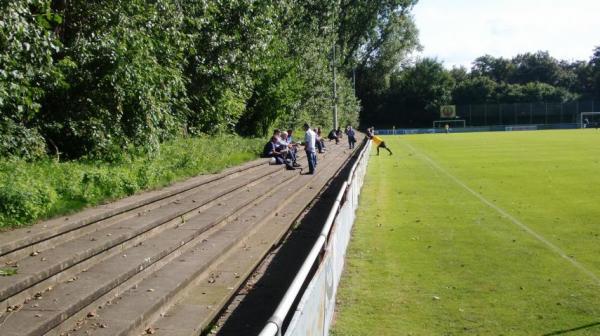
[(566, 331)]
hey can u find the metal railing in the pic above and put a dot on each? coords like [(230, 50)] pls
[(347, 200)]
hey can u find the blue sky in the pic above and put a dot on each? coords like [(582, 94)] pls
[(458, 31)]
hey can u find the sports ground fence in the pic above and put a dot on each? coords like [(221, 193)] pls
[(314, 312), (525, 113), (512, 117)]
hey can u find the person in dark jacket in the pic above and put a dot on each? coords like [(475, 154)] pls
[(351, 136), (272, 150)]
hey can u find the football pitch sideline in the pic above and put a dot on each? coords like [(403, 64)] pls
[(477, 234)]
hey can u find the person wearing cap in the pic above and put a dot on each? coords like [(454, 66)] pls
[(310, 138)]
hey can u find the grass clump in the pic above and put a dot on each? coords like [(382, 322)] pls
[(30, 191), (8, 271)]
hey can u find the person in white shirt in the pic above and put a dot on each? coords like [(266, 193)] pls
[(288, 148), (310, 138)]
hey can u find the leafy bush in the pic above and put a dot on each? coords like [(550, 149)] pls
[(30, 191), (27, 71), (18, 140), (22, 200), (94, 78)]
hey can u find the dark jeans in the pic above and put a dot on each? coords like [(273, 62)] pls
[(351, 141), (319, 146), (312, 161), (382, 145), (291, 155)]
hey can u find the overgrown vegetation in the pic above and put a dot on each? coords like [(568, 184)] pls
[(89, 78), (33, 190), (100, 99), (410, 95)]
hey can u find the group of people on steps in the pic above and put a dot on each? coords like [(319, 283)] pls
[(282, 149)]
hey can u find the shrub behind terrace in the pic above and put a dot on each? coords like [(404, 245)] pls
[(33, 190)]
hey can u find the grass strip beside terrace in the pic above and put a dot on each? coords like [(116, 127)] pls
[(32, 191)]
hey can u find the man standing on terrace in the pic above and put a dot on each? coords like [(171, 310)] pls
[(309, 147)]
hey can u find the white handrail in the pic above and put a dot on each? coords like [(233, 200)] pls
[(275, 323)]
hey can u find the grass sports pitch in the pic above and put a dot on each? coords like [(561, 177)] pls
[(477, 234)]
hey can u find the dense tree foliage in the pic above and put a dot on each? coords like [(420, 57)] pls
[(415, 92), (376, 57), (81, 77)]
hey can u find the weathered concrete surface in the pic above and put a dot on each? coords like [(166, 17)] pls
[(118, 269)]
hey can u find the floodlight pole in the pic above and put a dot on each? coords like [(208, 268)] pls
[(335, 112)]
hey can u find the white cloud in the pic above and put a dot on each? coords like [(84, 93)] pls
[(459, 31)]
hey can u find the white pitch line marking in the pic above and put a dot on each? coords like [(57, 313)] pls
[(501, 211)]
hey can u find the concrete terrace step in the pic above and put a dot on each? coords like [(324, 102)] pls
[(130, 310), (113, 269), (216, 286), (110, 273), (46, 263), (22, 238)]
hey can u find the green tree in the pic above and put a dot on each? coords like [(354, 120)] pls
[(498, 69), (594, 73), (27, 71), (535, 67), (125, 84), (416, 94), (95, 77), (475, 90)]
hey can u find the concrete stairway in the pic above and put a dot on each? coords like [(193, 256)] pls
[(164, 262)]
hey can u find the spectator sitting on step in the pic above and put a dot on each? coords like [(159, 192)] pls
[(333, 136), (321, 138), (289, 149), (290, 137), (272, 150), (319, 143)]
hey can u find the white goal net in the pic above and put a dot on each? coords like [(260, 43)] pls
[(589, 119)]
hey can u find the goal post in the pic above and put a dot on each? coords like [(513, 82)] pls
[(456, 123), (589, 119)]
